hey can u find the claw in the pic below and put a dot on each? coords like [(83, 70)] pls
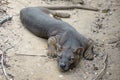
[(52, 54)]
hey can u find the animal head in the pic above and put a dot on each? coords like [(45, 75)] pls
[(69, 58)]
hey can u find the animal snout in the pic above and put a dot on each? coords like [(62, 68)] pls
[(62, 65)]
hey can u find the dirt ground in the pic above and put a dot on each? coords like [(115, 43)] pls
[(103, 27)]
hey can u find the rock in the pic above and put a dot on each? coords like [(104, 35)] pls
[(60, 76), (105, 10), (95, 73), (118, 45), (99, 4), (108, 73), (95, 67), (78, 1), (85, 77), (101, 54), (110, 13)]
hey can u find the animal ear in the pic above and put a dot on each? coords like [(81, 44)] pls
[(79, 51)]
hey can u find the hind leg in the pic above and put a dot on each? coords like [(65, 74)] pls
[(55, 14), (60, 14)]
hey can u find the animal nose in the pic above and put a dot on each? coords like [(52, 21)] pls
[(62, 65)]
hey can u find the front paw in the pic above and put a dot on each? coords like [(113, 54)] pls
[(52, 53)]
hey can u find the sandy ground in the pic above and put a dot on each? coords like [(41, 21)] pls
[(103, 27)]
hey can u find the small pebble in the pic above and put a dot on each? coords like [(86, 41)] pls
[(95, 73), (109, 73), (101, 54), (85, 77), (70, 70), (99, 4), (110, 13), (60, 76), (95, 67)]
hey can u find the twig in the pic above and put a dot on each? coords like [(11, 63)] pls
[(102, 72), (3, 67), (5, 19), (113, 41), (2, 10), (30, 55), (71, 7)]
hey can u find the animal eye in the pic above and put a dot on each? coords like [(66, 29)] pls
[(71, 59)]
